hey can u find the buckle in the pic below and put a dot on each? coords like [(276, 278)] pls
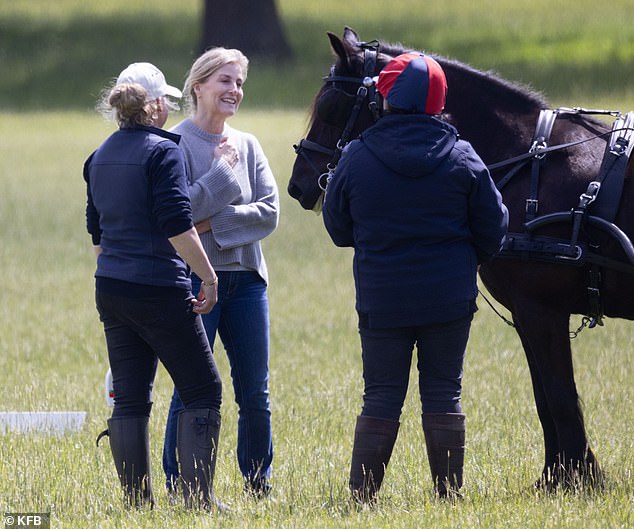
[(536, 149), (574, 253), (531, 205), (587, 198), (619, 147)]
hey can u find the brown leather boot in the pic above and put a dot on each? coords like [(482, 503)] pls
[(445, 440), (374, 439)]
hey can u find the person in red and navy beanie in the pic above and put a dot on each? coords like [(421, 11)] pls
[(413, 83), (421, 211)]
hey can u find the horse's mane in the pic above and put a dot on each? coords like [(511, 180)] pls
[(494, 81)]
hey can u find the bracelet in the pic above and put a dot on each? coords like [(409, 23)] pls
[(210, 283)]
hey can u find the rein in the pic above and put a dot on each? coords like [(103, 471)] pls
[(365, 91)]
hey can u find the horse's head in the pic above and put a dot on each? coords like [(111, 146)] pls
[(346, 104), (498, 117)]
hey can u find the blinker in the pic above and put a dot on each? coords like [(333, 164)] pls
[(334, 106)]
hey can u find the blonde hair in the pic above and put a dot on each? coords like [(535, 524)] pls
[(205, 66), (126, 105)]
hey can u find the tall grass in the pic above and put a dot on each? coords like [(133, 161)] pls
[(58, 55)]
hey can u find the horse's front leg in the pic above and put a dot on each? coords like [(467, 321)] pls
[(544, 333)]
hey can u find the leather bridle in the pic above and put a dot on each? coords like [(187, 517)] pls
[(366, 91)]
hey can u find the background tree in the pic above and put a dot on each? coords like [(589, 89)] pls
[(252, 26)]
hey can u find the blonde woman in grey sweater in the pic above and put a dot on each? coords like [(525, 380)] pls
[(235, 204)]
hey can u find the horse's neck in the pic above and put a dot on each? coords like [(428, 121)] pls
[(496, 117)]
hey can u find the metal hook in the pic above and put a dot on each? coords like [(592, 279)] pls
[(324, 180)]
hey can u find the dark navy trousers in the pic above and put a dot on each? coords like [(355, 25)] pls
[(387, 358), (140, 331)]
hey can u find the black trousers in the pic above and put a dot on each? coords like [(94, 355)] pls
[(140, 332)]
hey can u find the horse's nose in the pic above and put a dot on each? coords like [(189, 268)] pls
[(294, 191)]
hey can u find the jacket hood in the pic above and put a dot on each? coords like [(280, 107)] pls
[(410, 144)]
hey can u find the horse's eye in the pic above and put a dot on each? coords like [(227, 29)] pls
[(334, 107)]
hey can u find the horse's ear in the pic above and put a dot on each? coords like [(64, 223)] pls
[(338, 46), (350, 36)]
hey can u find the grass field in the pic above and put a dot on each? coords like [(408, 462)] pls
[(52, 351), (53, 359)]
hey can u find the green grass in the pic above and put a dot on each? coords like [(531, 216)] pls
[(53, 358), (55, 58)]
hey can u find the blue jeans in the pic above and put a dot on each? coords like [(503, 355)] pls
[(141, 331), (241, 318), (387, 359)]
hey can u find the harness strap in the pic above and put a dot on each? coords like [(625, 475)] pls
[(543, 130), (603, 194), (608, 227), (541, 137), (623, 143), (552, 250), (610, 181), (611, 175), (532, 202), (307, 145), (369, 64), (595, 303)]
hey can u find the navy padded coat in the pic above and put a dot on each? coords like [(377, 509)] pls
[(421, 211)]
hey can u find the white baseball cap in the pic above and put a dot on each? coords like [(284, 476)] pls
[(150, 78)]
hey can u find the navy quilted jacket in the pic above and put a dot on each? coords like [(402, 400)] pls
[(421, 211)]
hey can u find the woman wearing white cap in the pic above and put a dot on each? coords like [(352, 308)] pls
[(421, 211), (139, 216)]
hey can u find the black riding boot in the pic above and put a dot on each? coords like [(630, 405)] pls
[(196, 445), (445, 440), (374, 439), (130, 446)]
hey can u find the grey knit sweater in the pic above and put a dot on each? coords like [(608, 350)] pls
[(241, 203)]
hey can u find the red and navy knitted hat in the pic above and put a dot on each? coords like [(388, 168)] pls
[(414, 82)]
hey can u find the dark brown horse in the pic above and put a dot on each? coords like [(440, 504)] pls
[(564, 253)]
